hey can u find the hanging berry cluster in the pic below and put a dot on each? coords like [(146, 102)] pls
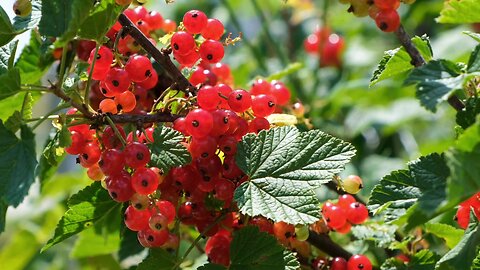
[(346, 212), (384, 12), (326, 45)]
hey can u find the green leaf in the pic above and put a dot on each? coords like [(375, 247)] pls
[(31, 21), (7, 56), (167, 150), (398, 61), (284, 166), (102, 238), (14, 122), (475, 36), (474, 61), (129, 245), (255, 250), (464, 11), (381, 234), (157, 259), (467, 117), (463, 159), (7, 33), (100, 20), (451, 234), (476, 261), (394, 194), (10, 82), (422, 260), (56, 15), (290, 69), (412, 195), (85, 208), (17, 159), (50, 159), (436, 81), (463, 254), (32, 62)]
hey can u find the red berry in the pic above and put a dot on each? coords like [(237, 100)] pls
[(359, 262), (167, 209), (263, 105), (117, 80), (199, 122), (260, 86), (345, 200), (112, 161), (280, 92), (158, 222), (139, 68), (387, 4), (213, 30), (228, 145), (119, 186), (335, 217), (211, 51), (136, 220), (145, 181), (387, 20), (155, 238), (338, 263), (195, 21), (90, 154), (258, 124), (239, 100), (311, 44), (104, 58), (154, 19), (169, 26), (182, 43), (150, 82), (126, 101), (110, 139), (208, 97), (203, 147), (357, 213), (136, 155)]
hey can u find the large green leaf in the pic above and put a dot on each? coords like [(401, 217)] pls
[(17, 166), (474, 61), (412, 195), (7, 33), (284, 166), (102, 238), (23, 23), (460, 11), (398, 61), (9, 83), (451, 234), (56, 15), (436, 81), (254, 250), (85, 208), (157, 259), (100, 20), (167, 150), (463, 254)]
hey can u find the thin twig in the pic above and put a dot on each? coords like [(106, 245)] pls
[(162, 57), (418, 60), (326, 244)]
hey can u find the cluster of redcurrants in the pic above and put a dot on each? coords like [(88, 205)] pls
[(463, 212), (345, 213), (356, 262), (326, 45), (384, 12), (184, 43)]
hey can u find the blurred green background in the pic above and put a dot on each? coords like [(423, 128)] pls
[(386, 123)]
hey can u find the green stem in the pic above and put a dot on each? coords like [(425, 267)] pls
[(195, 242), (62, 66), (24, 103), (115, 129), (258, 55), (89, 81), (34, 88), (42, 119)]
